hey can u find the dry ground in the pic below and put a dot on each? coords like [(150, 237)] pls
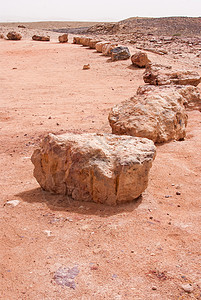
[(143, 250)]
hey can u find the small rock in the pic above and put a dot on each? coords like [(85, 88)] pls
[(140, 59), (63, 38), (12, 202), (178, 193), (86, 67), (48, 232), (187, 288), (154, 288)]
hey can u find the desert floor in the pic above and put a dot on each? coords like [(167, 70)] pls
[(142, 250)]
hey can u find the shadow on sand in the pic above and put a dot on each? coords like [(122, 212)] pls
[(66, 204)]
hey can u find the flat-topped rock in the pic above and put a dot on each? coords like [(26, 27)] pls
[(41, 38), (162, 76), (158, 115), (99, 46), (190, 94), (103, 168), (92, 43)]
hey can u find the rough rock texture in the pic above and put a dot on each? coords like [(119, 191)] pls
[(106, 50), (2, 36), (161, 76), (157, 115), (40, 38), (92, 43), (140, 59), (76, 40), (103, 168), (190, 94), (63, 38), (12, 35), (99, 46), (85, 41), (120, 53)]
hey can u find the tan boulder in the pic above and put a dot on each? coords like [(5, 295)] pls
[(106, 50), (40, 38), (99, 46), (140, 59), (156, 115), (92, 43), (76, 40), (85, 41), (190, 94), (103, 168), (63, 38), (12, 35), (162, 76)]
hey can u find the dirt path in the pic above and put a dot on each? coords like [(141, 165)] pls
[(143, 250)]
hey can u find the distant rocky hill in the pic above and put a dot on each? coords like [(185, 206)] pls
[(178, 26)]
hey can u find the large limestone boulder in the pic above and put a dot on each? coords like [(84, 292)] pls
[(120, 53), (92, 43), (162, 76), (76, 40), (63, 38), (85, 41), (191, 96), (106, 50), (103, 168), (12, 35), (140, 59), (99, 46), (40, 38), (156, 115)]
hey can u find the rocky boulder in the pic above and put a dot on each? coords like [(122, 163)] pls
[(156, 115), (140, 59), (40, 38), (103, 168), (99, 46), (76, 40), (190, 94), (12, 35), (120, 53), (162, 76), (106, 50), (84, 41), (63, 38), (92, 44)]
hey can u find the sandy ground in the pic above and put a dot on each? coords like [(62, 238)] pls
[(143, 250)]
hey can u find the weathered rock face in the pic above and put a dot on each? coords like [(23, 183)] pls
[(106, 50), (120, 53), (40, 38), (92, 44), (85, 41), (190, 94), (76, 40), (140, 59), (12, 35), (63, 38), (99, 46), (158, 76), (157, 115), (102, 168)]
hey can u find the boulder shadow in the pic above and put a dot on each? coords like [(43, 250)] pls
[(67, 204), (132, 67)]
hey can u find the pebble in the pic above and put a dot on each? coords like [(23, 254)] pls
[(187, 288), (178, 193), (154, 288), (48, 232), (13, 202)]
